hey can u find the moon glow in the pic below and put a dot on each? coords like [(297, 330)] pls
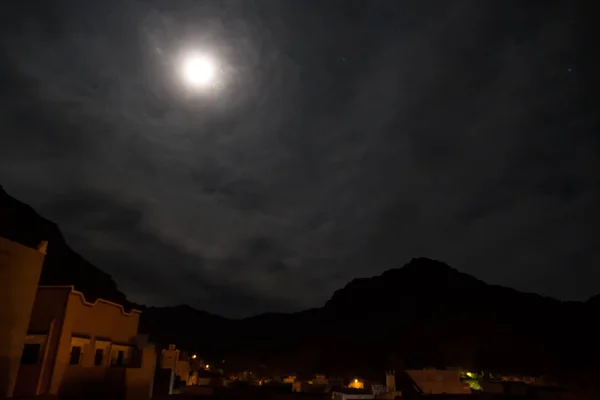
[(198, 71)]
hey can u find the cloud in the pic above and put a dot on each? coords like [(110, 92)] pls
[(347, 138)]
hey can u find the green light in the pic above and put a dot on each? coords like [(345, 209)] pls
[(474, 385)]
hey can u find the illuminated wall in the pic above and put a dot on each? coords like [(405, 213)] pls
[(390, 380), (183, 370), (169, 357), (139, 381), (357, 384), (20, 269), (68, 322)]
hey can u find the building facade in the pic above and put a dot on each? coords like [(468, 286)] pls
[(356, 383), (351, 395), (20, 269), (180, 364), (74, 346)]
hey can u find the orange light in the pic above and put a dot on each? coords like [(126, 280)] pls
[(356, 381), (194, 356)]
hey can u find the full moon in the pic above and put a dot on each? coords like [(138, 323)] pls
[(198, 70)]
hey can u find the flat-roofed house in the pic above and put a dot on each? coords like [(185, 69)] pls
[(352, 394), (74, 346)]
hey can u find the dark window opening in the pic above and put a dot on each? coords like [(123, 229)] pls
[(31, 353), (75, 355), (99, 357), (120, 357)]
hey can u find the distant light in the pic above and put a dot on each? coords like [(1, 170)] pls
[(356, 381), (194, 356), (207, 366)]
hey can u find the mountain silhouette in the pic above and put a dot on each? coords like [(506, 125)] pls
[(423, 314), (62, 266)]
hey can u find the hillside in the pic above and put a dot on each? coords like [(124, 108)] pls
[(62, 266), (423, 314)]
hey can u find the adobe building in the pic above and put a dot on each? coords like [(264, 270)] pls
[(170, 357), (20, 269), (77, 347), (179, 366), (351, 394)]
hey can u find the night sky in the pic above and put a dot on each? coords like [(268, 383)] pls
[(339, 139)]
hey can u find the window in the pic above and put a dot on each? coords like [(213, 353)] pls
[(75, 355), (31, 353), (99, 357), (120, 357)]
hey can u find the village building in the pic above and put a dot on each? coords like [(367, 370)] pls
[(357, 383), (77, 347), (179, 368), (352, 394), (20, 269)]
